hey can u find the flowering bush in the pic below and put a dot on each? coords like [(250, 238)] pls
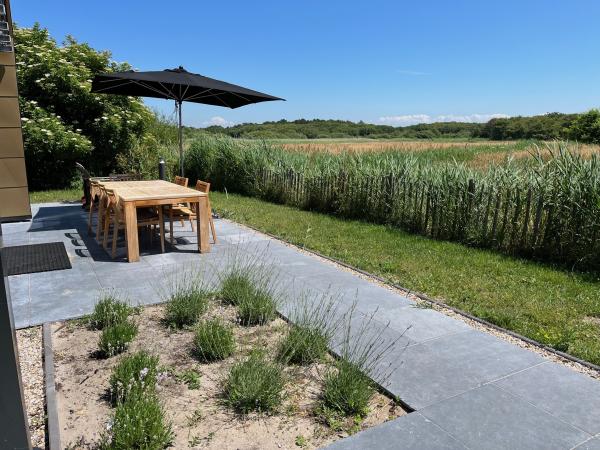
[(64, 121)]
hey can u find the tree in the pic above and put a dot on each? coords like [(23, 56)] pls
[(586, 128), (63, 121)]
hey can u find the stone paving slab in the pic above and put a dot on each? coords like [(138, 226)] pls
[(491, 418), (592, 444), (411, 432), (441, 368), (470, 389), (558, 390)]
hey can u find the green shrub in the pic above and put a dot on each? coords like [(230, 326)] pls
[(257, 309), (302, 345), (236, 288), (138, 423), (109, 311), (213, 340), (347, 389), (186, 306), (133, 372), (116, 338), (254, 385)]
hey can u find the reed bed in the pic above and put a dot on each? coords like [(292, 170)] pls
[(548, 209), (358, 146)]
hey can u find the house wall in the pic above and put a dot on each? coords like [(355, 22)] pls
[(14, 195)]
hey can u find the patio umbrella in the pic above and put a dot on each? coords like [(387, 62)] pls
[(179, 85)]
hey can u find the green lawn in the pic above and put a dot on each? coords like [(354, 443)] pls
[(550, 305), (63, 195)]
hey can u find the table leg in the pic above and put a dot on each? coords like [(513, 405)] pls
[(100, 217), (202, 225), (161, 219), (131, 232)]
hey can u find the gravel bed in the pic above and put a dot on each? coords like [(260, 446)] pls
[(29, 341)]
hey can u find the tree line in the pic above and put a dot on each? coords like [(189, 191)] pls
[(583, 127)]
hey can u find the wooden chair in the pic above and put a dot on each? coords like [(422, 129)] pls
[(146, 217), (183, 212), (182, 181)]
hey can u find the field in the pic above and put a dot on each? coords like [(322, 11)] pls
[(479, 154)]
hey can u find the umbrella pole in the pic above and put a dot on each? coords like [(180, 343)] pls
[(178, 103)]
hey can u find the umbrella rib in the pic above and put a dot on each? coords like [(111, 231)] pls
[(242, 97), (217, 95), (169, 91), (112, 86), (187, 86), (198, 94)]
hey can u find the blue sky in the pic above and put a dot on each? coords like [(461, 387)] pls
[(393, 62)]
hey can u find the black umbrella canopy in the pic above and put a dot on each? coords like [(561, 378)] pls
[(179, 85)]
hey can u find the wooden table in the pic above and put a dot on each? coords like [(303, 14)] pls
[(136, 194)]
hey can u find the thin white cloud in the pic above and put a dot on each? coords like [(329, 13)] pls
[(218, 121), (411, 72), (413, 119)]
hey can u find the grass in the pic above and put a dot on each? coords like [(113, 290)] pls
[(347, 390), (186, 306), (108, 311), (57, 195), (236, 287), (132, 373), (255, 384), (138, 423), (256, 304), (213, 340), (302, 345), (549, 304), (116, 338), (259, 308)]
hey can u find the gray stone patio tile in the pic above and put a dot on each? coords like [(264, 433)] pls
[(245, 238), (591, 444), (411, 432), (490, 418), (421, 324), (127, 278), (15, 228), (365, 333), (559, 391), (42, 283), (19, 289), (371, 297), (62, 304), (442, 368)]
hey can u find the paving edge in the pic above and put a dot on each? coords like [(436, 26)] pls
[(423, 297), (52, 425)]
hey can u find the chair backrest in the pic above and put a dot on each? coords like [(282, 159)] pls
[(112, 201), (203, 186), (124, 177), (181, 181), (85, 175)]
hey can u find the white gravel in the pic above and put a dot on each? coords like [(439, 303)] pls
[(29, 342)]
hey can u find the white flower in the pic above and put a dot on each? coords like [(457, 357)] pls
[(24, 119), (143, 372)]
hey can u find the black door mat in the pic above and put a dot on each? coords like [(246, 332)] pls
[(33, 258)]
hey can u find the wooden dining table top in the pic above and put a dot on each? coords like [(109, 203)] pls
[(150, 190)]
